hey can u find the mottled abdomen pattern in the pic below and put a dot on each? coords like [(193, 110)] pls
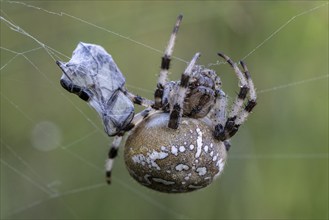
[(174, 161)]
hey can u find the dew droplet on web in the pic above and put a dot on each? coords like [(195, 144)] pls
[(46, 136)]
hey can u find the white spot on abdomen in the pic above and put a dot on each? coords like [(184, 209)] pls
[(150, 158), (181, 167), (201, 171), (188, 176), (199, 143), (174, 150), (139, 158), (155, 155)]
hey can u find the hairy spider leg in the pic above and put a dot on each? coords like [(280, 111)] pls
[(252, 97), (218, 116), (113, 152), (176, 108), (138, 100), (165, 63), (231, 127), (218, 112)]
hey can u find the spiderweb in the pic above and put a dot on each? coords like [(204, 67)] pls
[(32, 137)]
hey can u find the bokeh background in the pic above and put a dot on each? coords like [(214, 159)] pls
[(53, 146)]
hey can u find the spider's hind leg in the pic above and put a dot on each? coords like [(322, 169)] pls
[(113, 152)]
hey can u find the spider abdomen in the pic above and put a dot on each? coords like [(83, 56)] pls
[(173, 161)]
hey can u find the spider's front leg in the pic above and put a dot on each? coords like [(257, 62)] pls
[(252, 94), (238, 114), (165, 63), (138, 100), (176, 108)]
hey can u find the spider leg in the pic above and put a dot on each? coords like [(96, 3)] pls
[(218, 113), (237, 114), (139, 100), (165, 63), (252, 97), (113, 152), (244, 88), (177, 107), (219, 110)]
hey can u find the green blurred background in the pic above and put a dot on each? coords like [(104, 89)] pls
[(53, 146)]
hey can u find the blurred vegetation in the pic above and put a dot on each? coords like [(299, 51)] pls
[(278, 163)]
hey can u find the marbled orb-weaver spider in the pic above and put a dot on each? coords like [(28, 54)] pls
[(179, 143)]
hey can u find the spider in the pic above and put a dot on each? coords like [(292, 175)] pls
[(179, 142)]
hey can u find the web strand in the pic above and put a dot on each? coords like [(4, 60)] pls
[(293, 84), (27, 178), (283, 26), (95, 26)]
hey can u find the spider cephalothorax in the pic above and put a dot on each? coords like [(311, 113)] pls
[(179, 143), (200, 94)]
